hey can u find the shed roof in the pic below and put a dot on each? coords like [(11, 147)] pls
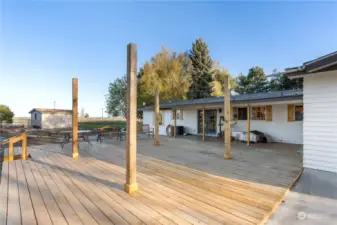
[(44, 110), (238, 99)]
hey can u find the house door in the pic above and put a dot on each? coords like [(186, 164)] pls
[(210, 121)]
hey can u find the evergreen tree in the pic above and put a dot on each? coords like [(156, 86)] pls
[(282, 82), (255, 81), (201, 74)]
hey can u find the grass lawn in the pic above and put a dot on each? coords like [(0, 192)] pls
[(93, 125)]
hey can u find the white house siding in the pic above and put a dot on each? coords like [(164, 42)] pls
[(277, 130), (56, 120), (189, 121), (36, 122), (320, 121)]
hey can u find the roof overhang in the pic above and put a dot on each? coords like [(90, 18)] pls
[(239, 99), (322, 64)]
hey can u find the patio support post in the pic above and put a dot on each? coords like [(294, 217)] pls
[(175, 123), (131, 130), (156, 115), (248, 125), (203, 124), (75, 119), (227, 117)]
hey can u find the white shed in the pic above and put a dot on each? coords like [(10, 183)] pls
[(51, 118), (320, 110)]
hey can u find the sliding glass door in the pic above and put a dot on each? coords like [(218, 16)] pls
[(210, 121)]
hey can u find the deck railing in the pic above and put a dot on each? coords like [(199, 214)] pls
[(11, 141)]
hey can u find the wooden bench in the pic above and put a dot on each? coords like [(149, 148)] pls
[(108, 131), (146, 129)]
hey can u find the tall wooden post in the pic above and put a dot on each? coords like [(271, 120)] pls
[(175, 122), (75, 118), (203, 124), (131, 130), (227, 117), (156, 114), (248, 125)]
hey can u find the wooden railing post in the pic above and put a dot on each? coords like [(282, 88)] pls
[(24, 146), (10, 151)]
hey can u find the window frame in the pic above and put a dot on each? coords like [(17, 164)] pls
[(295, 119), (254, 117)]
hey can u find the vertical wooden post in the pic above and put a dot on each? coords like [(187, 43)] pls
[(175, 122), (248, 125), (24, 146), (227, 117), (156, 114), (75, 119), (10, 151), (203, 125), (131, 130)]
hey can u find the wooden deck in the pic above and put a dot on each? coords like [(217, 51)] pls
[(52, 188)]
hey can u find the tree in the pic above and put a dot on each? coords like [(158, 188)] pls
[(256, 81), (218, 75), (6, 114), (242, 84), (86, 115), (116, 98), (166, 77), (282, 82), (201, 74), (144, 97)]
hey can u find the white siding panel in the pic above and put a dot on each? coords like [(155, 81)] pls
[(56, 120), (277, 130), (189, 120), (320, 121)]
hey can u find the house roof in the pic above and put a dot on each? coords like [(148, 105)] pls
[(324, 63), (235, 99), (44, 110)]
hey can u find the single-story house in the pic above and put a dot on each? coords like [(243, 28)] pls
[(320, 114), (51, 118), (279, 115)]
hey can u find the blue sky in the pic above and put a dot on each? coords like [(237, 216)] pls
[(47, 42)]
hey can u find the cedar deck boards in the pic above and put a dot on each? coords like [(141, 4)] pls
[(52, 188)]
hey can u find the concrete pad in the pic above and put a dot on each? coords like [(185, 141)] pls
[(313, 200)]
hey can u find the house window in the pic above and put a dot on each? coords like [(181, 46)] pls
[(179, 113), (35, 116), (258, 113), (242, 113), (299, 113)]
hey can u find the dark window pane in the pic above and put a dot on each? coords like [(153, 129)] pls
[(242, 113), (299, 113)]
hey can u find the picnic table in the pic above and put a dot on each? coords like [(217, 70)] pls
[(109, 131), (67, 135)]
